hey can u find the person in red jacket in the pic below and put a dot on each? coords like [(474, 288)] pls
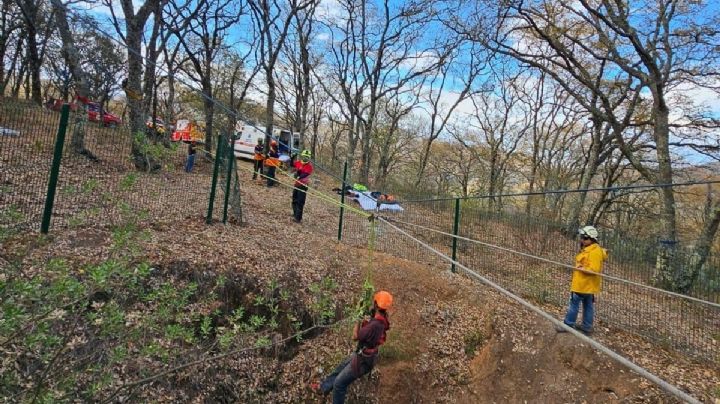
[(370, 334), (303, 169)]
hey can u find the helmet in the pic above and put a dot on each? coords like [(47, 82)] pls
[(260, 140), (305, 153), (273, 143), (589, 231), (383, 300)]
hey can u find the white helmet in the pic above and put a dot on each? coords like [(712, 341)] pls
[(589, 231)]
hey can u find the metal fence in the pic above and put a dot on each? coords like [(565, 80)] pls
[(670, 320), (100, 185)]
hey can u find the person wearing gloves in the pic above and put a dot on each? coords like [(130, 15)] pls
[(303, 169)]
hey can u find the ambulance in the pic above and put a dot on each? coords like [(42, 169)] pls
[(248, 135)]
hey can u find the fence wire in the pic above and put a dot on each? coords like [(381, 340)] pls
[(671, 321)]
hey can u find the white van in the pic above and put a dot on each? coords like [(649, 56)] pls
[(247, 136)]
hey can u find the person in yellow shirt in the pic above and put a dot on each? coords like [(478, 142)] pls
[(585, 285)]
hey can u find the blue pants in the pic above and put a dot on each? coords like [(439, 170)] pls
[(588, 303), (340, 379), (190, 163)]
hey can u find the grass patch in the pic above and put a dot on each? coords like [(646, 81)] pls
[(398, 347), (473, 341)]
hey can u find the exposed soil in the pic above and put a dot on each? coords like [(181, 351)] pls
[(452, 340)]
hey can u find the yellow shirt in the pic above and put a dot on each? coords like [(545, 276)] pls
[(590, 258)]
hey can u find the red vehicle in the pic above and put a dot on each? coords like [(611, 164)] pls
[(93, 108), (108, 118), (56, 105)]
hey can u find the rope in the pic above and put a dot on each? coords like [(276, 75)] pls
[(561, 264), (312, 192), (669, 388)]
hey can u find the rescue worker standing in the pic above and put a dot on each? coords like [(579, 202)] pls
[(258, 158), (272, 162), (191, 157), (369, 335), (585, 286), (303, 168)]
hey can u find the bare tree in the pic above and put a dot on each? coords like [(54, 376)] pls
[(203, 41), (38, 26), (10, 27), (272, 22), (655, 45), (131, 33), (376, 51), (468, 64), (82, 87)]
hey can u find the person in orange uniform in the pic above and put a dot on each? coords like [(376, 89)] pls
[(303, 168), (272, 162), (369, 334), (585, 285), (258, 158)]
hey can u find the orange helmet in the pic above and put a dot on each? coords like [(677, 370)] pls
[(273, 143), (383, 300)]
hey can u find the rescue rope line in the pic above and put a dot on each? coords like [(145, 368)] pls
[(560, 264), (669, 388), (313, 192)]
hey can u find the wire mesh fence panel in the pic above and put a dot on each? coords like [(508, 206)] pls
[(27, 138), (104, 184), (533, 256), (99, 182)]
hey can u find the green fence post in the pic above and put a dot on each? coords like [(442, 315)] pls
[(216, 168), (231, 161), (342, 201), (456, 228), (55, 169)]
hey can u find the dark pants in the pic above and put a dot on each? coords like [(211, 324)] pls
[(258, 168), (340, 379), (298, 201), (270, 172)]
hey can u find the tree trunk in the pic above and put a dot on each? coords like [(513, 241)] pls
[(72, 58), (30, 11), (665, 273), (133, 89), (209, 105), (269, 109), (704, 244), (588, 173)]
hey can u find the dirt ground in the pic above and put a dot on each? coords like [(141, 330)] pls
[(451, 339)]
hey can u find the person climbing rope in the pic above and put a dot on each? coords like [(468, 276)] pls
[(369, 335), (258, 158), (272, 162), (303, 169), (585, 286)]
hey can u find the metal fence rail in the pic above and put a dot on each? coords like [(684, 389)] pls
[(671, 321)]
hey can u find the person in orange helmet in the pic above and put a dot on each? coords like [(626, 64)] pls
[(369, 334)]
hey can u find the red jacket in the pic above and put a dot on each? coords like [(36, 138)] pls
[(302, 173)]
